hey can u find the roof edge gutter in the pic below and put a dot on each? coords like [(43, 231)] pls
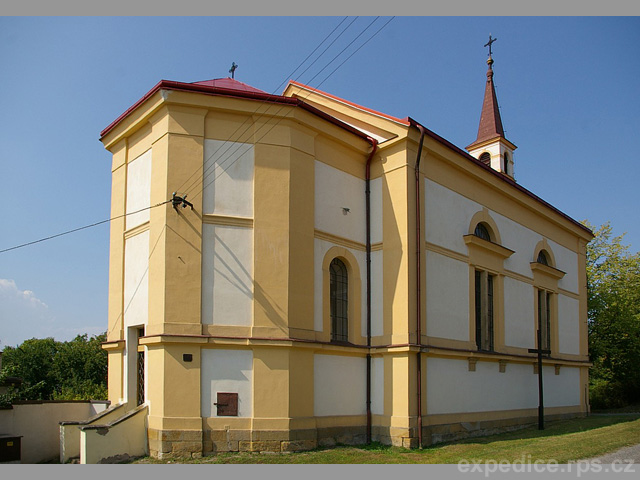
[(226, 92), (497, 174)]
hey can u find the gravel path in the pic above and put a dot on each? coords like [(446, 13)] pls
[(624, 455)]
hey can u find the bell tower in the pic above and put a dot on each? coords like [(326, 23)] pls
[(491, 147)]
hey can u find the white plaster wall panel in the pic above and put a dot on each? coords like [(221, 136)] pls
[(447, 217), (377, 293), (377, 386), (227, 371), (568, 325), (519, 321), (136, 279), (561, 390), (339, 386), (335, 190), (227, 275), (516, 388), (138, 189), (228, 178), (375, 187), (518, 238), (447, 297), (486, 389), (567, 261), (361, 258)]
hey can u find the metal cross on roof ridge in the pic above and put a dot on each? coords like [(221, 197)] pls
[(488, 44), (233, 69)]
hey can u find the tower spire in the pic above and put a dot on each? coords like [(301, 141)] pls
[(490, 145), (490, 121)]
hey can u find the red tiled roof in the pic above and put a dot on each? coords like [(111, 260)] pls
[(501, 176), (231, 88)]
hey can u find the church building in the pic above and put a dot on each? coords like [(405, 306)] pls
[(296, 270)]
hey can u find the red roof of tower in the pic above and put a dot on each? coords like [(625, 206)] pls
[(490, 122)]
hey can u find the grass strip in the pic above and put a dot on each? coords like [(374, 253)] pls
[(561, 441)]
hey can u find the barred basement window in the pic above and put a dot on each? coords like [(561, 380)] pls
[(339, 289), (484, 310)]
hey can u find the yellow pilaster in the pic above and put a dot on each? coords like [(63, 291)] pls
[(271, 240)]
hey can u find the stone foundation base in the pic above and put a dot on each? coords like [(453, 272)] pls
[(215, 441), (452, 432), (196, 443), (175, 443)]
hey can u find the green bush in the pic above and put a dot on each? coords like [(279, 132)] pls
[(606, 394)]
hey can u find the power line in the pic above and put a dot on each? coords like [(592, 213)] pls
[(231, 144), (238, 147), (264, 102), (228, 141), (281, 108), (83, 228)]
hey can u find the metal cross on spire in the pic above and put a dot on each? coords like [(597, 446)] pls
[(488, 44), (233, 69)]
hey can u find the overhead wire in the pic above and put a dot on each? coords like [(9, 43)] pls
[(219, 165), (264, 102), (84, 227), (116, 323), (304, 98), (234, 143), (163, 203)]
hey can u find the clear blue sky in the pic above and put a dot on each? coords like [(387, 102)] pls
[(568, 88)]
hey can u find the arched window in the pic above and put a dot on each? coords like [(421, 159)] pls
[(485, 158), (506, 163), (483, 232), (543, 258), (339, 292)]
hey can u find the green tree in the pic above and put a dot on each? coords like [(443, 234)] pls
[(613, 280), (81, 369), (32, 361), (51, 370)]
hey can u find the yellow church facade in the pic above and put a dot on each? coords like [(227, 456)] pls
[(291, 271)]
